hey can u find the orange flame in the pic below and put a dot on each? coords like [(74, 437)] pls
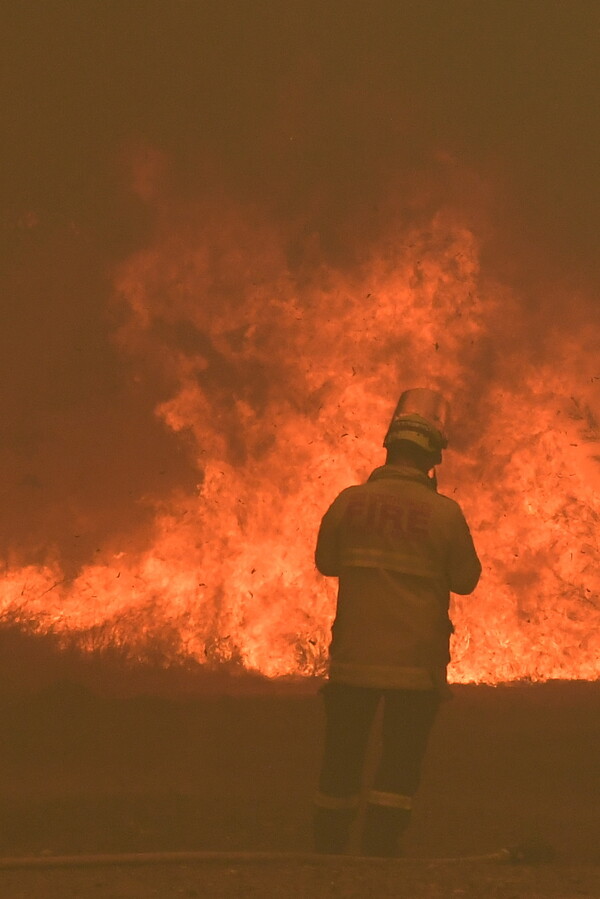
[(282, 377)]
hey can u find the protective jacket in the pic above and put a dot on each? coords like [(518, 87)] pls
[(398, 548)]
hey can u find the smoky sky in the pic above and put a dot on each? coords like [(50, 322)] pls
[(310, 108)]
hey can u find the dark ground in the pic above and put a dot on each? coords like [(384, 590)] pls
[(234, 768)]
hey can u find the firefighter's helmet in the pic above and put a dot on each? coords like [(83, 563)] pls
[(420, 418)]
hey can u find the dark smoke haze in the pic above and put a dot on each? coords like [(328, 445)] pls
[(311, 110)]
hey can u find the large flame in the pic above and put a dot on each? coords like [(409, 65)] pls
[(281, 371)]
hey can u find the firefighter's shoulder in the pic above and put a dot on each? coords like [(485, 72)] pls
[(449, 507)]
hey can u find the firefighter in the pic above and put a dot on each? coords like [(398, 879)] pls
[(398, 548)]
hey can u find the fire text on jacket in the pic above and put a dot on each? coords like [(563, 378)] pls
[(387, 516)]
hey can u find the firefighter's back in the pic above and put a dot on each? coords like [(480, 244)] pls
[(396, 542)]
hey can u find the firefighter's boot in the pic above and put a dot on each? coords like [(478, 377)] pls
[(331, 829), (383, 828)]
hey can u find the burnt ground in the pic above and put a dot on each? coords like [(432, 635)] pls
[(232, 766)]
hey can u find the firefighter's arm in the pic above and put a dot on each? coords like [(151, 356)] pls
[(464, 567), (327, 556)]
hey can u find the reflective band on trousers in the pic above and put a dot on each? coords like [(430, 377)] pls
[(390, 800), (322, 800)]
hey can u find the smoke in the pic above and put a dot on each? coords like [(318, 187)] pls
[(330, 129)]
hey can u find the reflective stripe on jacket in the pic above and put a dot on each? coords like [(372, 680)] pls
[(398, 549)]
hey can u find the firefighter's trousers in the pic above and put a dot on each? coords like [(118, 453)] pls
[(408, 716)]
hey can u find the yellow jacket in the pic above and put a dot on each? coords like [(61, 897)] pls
[(398, 548)]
